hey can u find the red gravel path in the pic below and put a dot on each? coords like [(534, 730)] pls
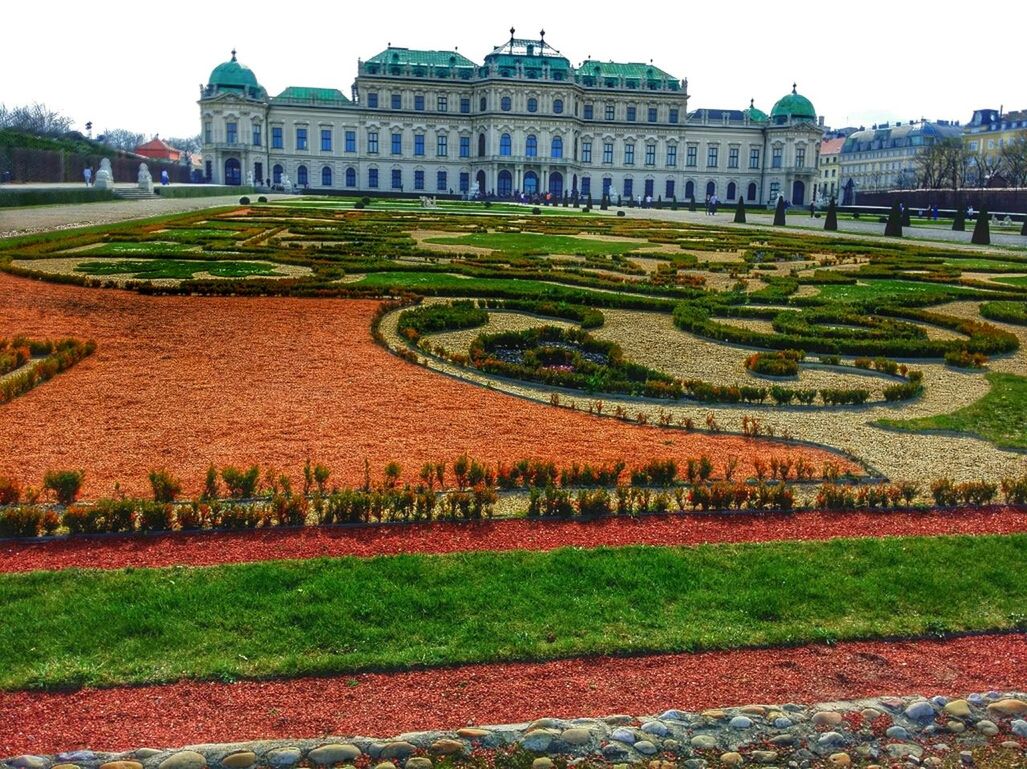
[(211, 548), (384, 705)]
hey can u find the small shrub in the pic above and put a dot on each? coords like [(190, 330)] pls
[(156, 516), (21, 521), (241, 484), (244, 201), (536, 210), (164, 485), (620, 213), (10, 491), (963, 358), (262, 199), (65, 484)]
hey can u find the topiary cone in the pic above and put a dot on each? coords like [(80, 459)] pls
[(982, 230), (1023, 230), (779, 212), (740, 211), (894, 226), (691, 203), (831, 220), (959, 223)]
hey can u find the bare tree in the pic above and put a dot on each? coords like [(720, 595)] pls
[(122, 139), (943, 164), (1014, 161), (982, 166), (188, 144), (36, 119)]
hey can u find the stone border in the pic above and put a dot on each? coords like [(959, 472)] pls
[(886, 730)]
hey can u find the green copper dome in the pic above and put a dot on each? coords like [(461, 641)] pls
[(755, 114), (234, 76), (794, 106)]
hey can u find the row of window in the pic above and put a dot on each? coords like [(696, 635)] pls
[(631, 112), (373, 180)]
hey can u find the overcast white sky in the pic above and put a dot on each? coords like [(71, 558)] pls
[(138, 65)]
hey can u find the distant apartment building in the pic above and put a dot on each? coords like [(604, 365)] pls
[(829, 166), (985, 136)]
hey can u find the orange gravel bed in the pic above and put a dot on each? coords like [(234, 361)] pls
[(183, 382)]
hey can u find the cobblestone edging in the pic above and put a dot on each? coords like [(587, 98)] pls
[(910, 731)]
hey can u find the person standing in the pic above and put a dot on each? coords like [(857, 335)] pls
[(164, 177), (87, 174)]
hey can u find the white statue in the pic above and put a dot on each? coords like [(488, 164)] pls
[(105, 176), (145, 179), (249, 178), (286, 183)]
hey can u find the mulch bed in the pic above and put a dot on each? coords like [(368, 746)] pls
[(449, 698), (212, 548)]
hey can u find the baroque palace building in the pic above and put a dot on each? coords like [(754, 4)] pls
[(524, 122)]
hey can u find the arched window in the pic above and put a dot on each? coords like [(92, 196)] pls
[(504, 145), (301, 176), (483, 104), (558, 106), (689, 189), (711, 188), (276, 174), (505, 184), (751, 194), (505, 104), (557, 148), (481, 145), (326, 177), (531, 146), (351, 177), (731, 188), (532, 104)]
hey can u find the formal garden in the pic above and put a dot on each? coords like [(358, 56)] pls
[(368, 444)]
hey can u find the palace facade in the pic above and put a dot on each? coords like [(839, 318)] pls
[(525, 121)]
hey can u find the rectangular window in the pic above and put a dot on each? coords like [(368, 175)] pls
[(372, 178), (419, 145), (441, 181), (754, 158), (672, 155), (442, 104), (351, 141), (372, 99), (629, 153), (652, 114), (326, 140), (669, 191), (301, 138), (397, 101), (465, 106), (609, 112), (256, 136), (632, 113), (732, 157), (231, 132), (397, 179), (465, 181), (712, 156), (465, 146), (776, 157), (629, 187), (419, 102), (589, 111), (397, 144), (800, 157), (586, 152), (692, 156), (418, 180), (276, 137), (208, 133), (649, 188), (607, 152), (650, 154), (372, 142), (673, 115), (441, 146), (586, 186)]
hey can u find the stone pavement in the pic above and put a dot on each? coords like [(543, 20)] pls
[(30, 219)]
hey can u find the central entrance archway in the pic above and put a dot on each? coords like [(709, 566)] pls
[(504, 185), (233, 172), (556, 184), (530, 183), (798, 193)]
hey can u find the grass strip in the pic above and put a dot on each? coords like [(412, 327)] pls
[(343, 615), (999, 417)]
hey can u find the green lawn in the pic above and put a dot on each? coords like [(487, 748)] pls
[(181, 269), (999, 417), (1015, 281), (869, 289), (349, 614), (531, 242), (144, 248), (449, 282)]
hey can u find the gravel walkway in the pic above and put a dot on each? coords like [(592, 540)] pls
[(30, 219)]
